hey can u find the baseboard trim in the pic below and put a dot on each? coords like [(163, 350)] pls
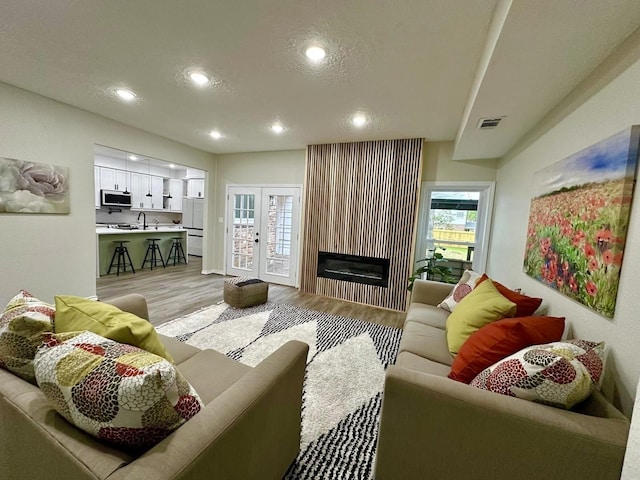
[(92, 297), (215, 271)]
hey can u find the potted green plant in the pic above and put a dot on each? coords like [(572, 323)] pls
[(431, 268)]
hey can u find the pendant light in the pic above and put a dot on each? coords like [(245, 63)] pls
[(149, 170), (172, 166), (126, 169)]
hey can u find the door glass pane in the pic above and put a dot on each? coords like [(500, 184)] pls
[(243, 232), (451, 229), (280, 214)]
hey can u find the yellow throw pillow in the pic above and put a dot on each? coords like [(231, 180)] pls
[(78, 314), (482, 306)]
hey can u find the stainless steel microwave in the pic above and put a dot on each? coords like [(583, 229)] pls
[(116, 199)]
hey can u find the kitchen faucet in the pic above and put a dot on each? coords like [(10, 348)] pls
[(144, 220)]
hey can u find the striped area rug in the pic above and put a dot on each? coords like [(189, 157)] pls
[(343, 385)]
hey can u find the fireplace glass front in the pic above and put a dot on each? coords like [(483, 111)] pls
[(354, 268)]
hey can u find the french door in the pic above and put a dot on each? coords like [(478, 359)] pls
[(263, 226)]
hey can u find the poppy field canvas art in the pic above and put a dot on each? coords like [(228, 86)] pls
[(579, 218), (31, 187)]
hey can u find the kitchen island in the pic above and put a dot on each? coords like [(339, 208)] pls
[(137, 246)]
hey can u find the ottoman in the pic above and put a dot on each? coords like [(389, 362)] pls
[(243, 292)]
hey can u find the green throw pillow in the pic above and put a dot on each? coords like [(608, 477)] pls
[(485, 304), (78, 314)]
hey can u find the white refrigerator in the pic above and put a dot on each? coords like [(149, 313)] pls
[(193, 221)]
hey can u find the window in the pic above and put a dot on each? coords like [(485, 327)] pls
[(454, 221), (244, 210)]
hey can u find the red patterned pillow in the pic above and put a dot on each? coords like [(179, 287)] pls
[(499, 339), (560, 374), (526, 306), (464, 286), (116, 392), (22, 324)]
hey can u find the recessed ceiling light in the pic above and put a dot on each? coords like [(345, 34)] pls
[(277, 128), (126, 95), (315, 53), (359, 120), (199, 78), (133, 157), (171, 165), (215, 134)]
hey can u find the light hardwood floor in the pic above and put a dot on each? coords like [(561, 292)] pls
[(175, 291)]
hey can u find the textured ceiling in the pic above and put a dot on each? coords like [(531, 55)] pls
[(409, 65)]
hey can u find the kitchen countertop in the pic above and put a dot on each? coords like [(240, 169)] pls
[(152, 229)]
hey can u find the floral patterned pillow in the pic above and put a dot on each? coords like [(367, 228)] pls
[(464, 286), (22, 324), (560, 374), (118, 393)]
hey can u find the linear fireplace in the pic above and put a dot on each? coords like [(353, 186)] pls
[(354, 268)]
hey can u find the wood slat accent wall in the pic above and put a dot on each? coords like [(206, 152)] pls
[(361, 199)]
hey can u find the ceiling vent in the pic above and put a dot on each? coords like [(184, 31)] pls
[(489, 123)]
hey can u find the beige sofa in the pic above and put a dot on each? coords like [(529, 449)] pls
[(249, 428), (437, 428)]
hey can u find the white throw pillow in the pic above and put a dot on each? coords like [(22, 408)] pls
[(464, 286), (560, 374), (118, 393)]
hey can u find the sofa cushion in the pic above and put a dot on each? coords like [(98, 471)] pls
[(76, 314), (427, 315), (411, 361), (22, 324), (464, 286), (211, 373), (30, 422), (428, 342), (179, 351), (116, 392), (560, 374), (525, 306), (502, 338), (480, 307)]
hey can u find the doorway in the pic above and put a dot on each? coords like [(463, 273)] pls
[(263, 225)]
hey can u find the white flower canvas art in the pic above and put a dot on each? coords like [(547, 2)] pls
[(30, 187)]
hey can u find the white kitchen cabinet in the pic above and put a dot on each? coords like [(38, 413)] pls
[(113, 179), (175, 188), (143, 185), (157, 188), (139, 188), (195, 188)]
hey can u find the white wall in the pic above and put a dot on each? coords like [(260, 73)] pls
[(438, 166), (601, 112), (259, 168), (631, 467), (55, 254)]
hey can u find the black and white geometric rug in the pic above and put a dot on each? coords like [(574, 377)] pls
[(343, 384)]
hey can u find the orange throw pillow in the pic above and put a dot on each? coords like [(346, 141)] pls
[(525, 306), (502, 338)]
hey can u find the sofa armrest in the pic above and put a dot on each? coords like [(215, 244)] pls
[(430, 292), (250, 431), (132, 303), (434, 427)]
